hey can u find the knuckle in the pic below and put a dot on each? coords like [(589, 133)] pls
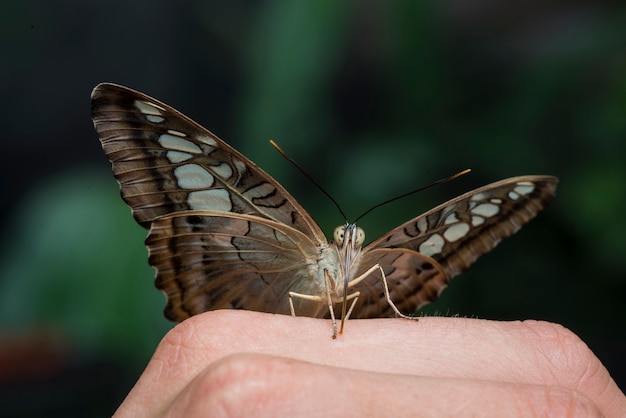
[(569, 360), (562, 402), (241, 385)]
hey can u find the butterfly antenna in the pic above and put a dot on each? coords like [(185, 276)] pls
[(308, 176), (393, 199)]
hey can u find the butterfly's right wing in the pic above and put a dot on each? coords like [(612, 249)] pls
[(421, 256), (166, 163), (208, 260)]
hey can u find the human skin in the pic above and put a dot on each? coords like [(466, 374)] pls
[(241, 364)]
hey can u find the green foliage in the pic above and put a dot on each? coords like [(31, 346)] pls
[(74, 264)]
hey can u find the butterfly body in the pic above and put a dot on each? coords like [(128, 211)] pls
[(225, 234)]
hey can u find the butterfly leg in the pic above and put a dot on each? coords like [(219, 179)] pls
[(330, 303), (388, 298), (313, 298), (385, 286), (293, 295), (354, 295)]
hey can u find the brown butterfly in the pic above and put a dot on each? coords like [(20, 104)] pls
[(226, 235)]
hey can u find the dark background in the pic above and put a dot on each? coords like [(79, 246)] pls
[(372, 98)]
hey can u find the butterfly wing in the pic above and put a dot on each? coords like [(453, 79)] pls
[(168, 168), (166, 163), (209, 260), (421, 256)]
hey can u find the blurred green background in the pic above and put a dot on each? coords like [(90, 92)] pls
[(372, 98)]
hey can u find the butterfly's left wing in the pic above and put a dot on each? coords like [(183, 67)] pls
[(166, 163), (421, 256), (208, 260)]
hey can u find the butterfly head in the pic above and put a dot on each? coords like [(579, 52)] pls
[(349, 235)]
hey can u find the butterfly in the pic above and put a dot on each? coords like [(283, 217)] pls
[(223, 234)]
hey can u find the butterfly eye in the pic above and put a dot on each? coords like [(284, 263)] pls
[(360, 236), (339, 234)]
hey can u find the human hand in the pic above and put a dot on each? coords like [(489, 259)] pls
[(240, 363)]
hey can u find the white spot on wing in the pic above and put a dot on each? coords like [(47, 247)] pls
[(432, 246), (479, 196), (452, 218), (524, 187), (216, 199), (154, 118), (207, 140), (513, 195), (496, 201), (178, 157), (148, 108), (177, 133), (193, 177), (456, 232), (178, 144), (223, 170), (486, 209), (477, 220)]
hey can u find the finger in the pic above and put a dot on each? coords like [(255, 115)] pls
[(515, 352), (258, 385)]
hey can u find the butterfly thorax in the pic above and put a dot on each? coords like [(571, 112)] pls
[(347, 242)]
